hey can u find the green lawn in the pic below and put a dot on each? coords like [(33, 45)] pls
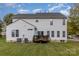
[(38, 49)]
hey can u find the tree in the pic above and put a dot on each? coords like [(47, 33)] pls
[(8, 18), (73, 21), (0, 27)]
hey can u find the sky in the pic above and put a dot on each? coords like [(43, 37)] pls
[(26, 8)]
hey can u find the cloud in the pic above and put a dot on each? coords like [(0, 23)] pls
[(65, 12), (19, 5), (68, 7), (52, 4), (14, 5), (10, 4), (37, 10), (23, 11), (49, 5), (54, 7), (62, 8)]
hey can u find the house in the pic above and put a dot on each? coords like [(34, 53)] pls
[(27, 25)]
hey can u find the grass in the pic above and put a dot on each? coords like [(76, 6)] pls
[(38, 49)]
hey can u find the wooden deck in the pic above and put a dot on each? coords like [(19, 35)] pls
[(40, 39)]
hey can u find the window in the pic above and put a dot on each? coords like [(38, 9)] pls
[(48, 33), (63, 33), (37, 21), (51, 22), (40, 33), (15, 33), (64, 22), (35, 29), (58, 33), (52, 33)]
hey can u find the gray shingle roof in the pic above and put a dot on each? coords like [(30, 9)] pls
[(40, 16)]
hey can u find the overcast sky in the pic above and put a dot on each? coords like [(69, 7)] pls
[(24, 8)]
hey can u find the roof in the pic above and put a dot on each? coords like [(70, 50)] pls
[(40, 16)]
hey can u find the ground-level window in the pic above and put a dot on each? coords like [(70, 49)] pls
[(63, 33), (40, 33), (48, 33), (52, 33), (58, 33), (15, 33)]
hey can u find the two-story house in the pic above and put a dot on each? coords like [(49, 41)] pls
[(27, 25)]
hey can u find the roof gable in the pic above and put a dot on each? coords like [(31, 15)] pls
[(23, 21)]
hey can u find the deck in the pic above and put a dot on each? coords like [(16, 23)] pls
[(40, 39)]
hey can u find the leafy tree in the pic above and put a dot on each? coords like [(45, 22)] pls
[(8, 18), (73, 22), (0, 27)]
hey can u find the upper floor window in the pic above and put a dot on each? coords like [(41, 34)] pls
[(63, 21), (51, 22), (15, 33), (36, 21)]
